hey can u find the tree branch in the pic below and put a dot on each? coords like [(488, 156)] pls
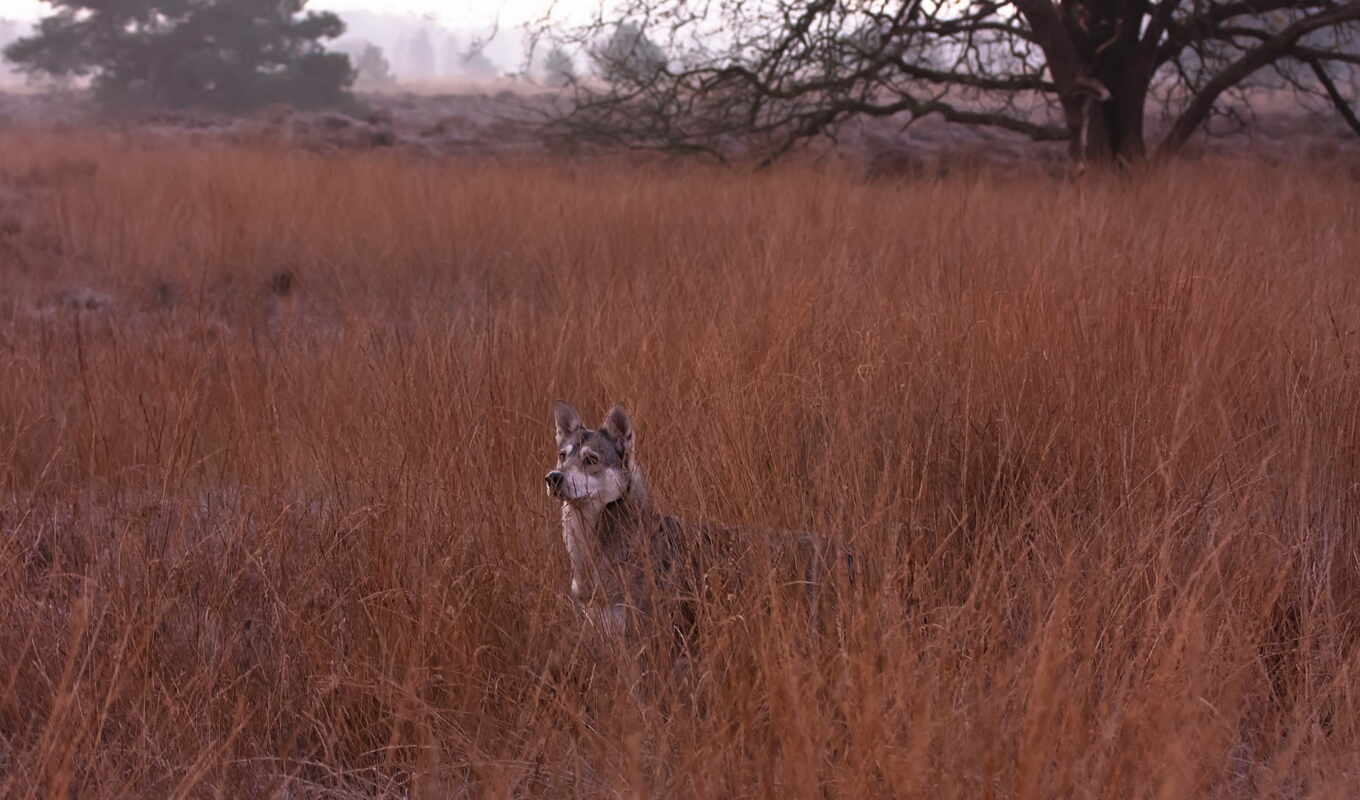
[(922, 108), (1018, 83), (1204, 25), (1304, 54), (1342, 107), (1157, 27), (1276, 47)]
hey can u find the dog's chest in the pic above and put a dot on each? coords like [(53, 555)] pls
[(576, 528), (604, 553)]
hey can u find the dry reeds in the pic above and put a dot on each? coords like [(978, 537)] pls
[(1095, 442)]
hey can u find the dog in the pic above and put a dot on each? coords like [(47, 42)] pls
[(631, 564)]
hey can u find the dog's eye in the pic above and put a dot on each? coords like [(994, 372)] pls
[(561, 455), (591, 459)]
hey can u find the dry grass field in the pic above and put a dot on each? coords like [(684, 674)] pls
[(1095, 444)]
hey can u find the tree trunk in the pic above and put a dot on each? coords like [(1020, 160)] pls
[(1107, 130), (1101, 79)]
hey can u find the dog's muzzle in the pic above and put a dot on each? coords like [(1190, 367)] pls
[(554, 481)]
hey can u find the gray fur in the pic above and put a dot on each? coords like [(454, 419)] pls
[(630, 562)]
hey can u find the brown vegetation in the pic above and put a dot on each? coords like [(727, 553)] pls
[(1096, 444)]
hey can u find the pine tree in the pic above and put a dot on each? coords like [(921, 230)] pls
[(630, 57), (372, 67), (229, 54), (558, 68)]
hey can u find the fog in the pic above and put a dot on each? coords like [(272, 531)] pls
[(421, 48), (10, 29), (421, 40)]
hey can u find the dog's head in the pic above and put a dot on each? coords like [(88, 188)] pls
[(594, 467)]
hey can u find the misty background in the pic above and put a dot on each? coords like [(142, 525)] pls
[(422, 47), (479, 41)]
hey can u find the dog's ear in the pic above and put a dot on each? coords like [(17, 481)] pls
[(620, 429), (566, 419)]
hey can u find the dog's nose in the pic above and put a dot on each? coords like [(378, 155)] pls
[(554, 480)]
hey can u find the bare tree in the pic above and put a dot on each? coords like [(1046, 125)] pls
[(775, 73)]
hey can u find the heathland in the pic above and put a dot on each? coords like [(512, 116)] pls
[(274, 426)]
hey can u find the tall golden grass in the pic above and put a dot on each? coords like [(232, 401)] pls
[(1095, 444)]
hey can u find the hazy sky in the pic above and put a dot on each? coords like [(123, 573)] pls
[(462, 13), (453, 13)]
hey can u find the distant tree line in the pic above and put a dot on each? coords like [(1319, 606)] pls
[(237, 54), (425, 52)]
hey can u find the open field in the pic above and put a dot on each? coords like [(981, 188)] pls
[(1096, 444), (505, 119)]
